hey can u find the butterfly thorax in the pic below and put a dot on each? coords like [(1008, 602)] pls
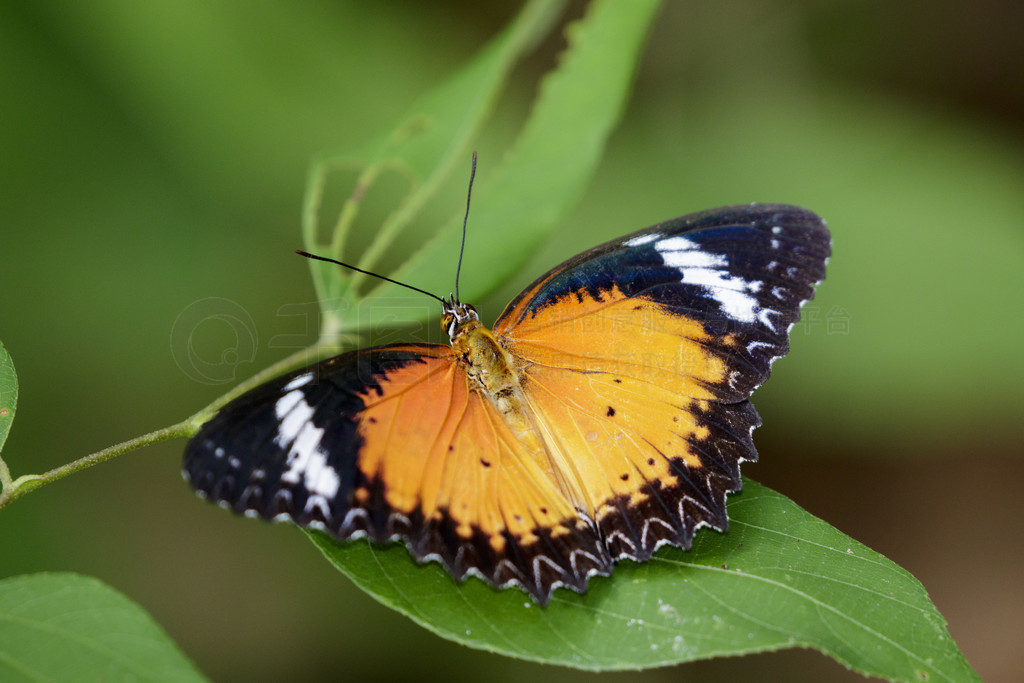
[(491, 369)]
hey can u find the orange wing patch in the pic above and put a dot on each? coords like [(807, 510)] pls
[(628, 415), (620, 336), (459, 485)]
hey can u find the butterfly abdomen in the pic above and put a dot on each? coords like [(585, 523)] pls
[(491, 372)]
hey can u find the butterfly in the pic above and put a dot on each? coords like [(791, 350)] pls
[(604, 415)]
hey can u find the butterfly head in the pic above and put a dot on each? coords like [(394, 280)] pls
[(455, 315)]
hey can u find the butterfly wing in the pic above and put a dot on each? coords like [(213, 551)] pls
[(639, 357), (390, 442)]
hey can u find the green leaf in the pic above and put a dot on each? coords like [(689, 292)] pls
[(8, 394), (779, 578), (425, 145), (554, 158), (65, 627)]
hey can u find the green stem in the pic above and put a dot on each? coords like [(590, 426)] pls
[(5, 476), (394, 222), (350, 209), (14, 489), (298, 359), (31, 482), (317, 179)]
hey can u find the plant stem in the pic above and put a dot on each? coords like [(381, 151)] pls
[(298, 359), (30, 482), (5, 476), (14, 489)]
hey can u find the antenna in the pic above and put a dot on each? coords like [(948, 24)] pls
[(458, 269), (462, 248), (366, 272)]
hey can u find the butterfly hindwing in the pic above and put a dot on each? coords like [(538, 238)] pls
[(467, 491), (391, 443)]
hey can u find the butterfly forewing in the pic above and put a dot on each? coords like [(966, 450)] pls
[(741, 273)]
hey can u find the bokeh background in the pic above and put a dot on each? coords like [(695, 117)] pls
[(154, 155)]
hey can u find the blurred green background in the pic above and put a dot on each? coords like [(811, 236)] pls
[(155, 155)]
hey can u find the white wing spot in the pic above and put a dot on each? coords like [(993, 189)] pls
[(291, 421), (710, 271), (641, 239), (763, 318), (299, 381), (306, 461)]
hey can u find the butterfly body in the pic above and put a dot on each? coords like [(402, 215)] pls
[(604, 415), (496, 375), (489, 368)]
